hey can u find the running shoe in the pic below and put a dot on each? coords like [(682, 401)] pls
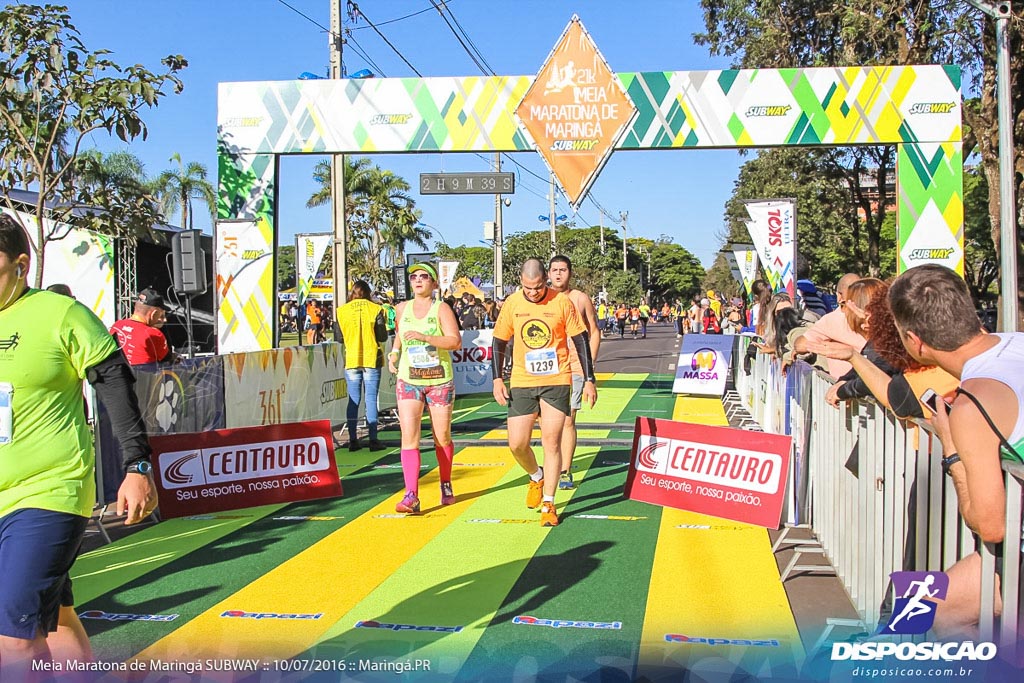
[(354, 445), (447, 495), (409, 504), (376, 445), (548, 516), (565, 481), (534, 493)]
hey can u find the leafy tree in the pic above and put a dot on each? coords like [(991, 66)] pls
[(677, 274), (719, 278), (473, 261), (177, 188), (624, 287), (54, 92), (286, 266), (981, 263)]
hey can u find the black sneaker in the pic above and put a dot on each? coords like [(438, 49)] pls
[(376, 445), (354, 445)]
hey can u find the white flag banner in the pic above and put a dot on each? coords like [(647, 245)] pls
[(734, 266), (772, 227), (746, 261), (309, 252), (446, 273)]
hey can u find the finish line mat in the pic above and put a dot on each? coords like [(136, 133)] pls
[(472, 590)]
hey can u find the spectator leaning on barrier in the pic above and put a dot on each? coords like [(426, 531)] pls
[(139, 336), (834, 326), (361, 327), (934, 313), (48, 344)]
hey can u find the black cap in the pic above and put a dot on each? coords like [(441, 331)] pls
[(150, 297)]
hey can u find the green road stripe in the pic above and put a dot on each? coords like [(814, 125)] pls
[(432, 590), (613, 395), (654, 398), (119, 563), (192, 583), (589, 569)]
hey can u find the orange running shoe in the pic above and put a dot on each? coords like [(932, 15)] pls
[(534, 493), (548, 516)]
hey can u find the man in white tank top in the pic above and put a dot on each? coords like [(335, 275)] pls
[(938, 324)]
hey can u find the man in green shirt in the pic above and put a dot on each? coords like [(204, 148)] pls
[(48, 345)]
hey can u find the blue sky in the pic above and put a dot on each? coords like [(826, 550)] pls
[(680, 193)]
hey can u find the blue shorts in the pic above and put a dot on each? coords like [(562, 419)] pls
[(37, 549)]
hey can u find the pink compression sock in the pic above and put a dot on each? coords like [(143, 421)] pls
[(445, 455), (411, 469)]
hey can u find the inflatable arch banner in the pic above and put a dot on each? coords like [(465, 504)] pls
[(576, 116)]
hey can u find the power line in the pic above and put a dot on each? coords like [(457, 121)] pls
[(305, 16), (407, 16), (466, 35), (384, 38), (358, 49), (455, 33)]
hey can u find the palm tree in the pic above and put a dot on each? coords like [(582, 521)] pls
[(177, 189)]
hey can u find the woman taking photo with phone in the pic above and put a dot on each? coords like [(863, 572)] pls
[(425, 332)]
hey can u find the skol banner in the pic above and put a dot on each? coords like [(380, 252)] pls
[(245, 285), (309, 252), (730, 473), (293, 384), (746, 261), (472, 363), (229, 469), (772, 227)]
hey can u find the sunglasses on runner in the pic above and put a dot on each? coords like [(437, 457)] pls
[(419, 276)]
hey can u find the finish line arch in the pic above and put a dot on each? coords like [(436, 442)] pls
[(916, 108)]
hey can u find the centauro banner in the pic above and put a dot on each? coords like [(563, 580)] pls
[(309, 252), (729, 473), (772, 227)]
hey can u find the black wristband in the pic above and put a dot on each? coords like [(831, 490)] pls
[(948, 462)]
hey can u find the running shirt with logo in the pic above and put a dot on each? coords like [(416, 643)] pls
[(540, 338), (420, 363), (47, 342), (1003, 363)]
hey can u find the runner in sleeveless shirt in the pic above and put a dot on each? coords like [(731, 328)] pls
[(426, 331), (560, 275), (543, 324)]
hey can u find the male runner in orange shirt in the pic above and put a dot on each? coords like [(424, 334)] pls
[(560, 275), (541, 322)]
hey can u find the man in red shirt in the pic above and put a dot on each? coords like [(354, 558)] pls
[(139, 336)]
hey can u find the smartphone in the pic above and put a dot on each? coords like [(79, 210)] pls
[(931, 399)]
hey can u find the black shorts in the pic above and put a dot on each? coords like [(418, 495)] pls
[(526, 400)]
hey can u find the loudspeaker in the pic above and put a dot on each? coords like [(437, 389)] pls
[(188, 263)]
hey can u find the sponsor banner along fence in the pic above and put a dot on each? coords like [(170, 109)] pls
[(472, 363), (228, 469), (703, 364), (730, 473)]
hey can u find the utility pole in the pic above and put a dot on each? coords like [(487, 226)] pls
[(340, 243), (1002, 12), (624, 217), (601, 219), (551, 215), (499, 256)]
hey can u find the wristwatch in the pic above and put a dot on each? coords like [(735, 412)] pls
[(948, 462), (138, 467)]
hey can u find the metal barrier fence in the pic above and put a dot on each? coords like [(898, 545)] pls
[(877, 500)]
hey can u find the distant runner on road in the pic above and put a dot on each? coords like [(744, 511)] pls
[(541, 322)]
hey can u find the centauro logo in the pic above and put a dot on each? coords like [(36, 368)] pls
[(390, 119), (939, 254), (573, 145), (932, 107), (252, 254), (645, 456), (769, 110), (536, 334), (240, 462)]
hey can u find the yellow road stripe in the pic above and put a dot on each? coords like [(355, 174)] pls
[(731, 588), (331, 576)]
